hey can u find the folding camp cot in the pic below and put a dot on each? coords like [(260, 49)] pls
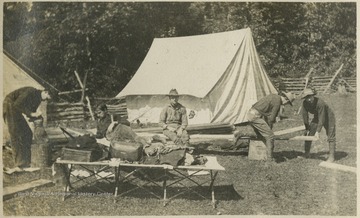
[(138, 176), (196, 174), (94, 173)]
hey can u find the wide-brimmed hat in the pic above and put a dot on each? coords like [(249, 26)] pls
[(173, 92), (290, 96), (307, 92)]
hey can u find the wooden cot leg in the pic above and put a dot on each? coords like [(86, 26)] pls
[(67, 173), (213, 177), (164, 187), (117, 174)]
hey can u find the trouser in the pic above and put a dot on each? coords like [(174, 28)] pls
[(20, 138), (330, 128), (182, 140), (263, 130)]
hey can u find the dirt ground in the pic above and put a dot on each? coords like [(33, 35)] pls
[(291, 186)]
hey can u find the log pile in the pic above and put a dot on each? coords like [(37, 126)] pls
[(116, 107), (58, 112), (211, 128), (56, 136), (208, 128)]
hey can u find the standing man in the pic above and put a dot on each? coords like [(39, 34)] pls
[(173, 120), (323, 117), (25, 101), (263, 115)]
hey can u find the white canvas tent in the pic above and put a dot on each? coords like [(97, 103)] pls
[(14, 77), (219, 76)]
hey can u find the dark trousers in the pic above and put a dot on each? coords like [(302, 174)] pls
[(330, 129), (20, 137)]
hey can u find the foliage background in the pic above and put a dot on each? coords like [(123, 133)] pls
[(108, 41)]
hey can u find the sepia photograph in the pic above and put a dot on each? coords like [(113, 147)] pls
[(179, 108)]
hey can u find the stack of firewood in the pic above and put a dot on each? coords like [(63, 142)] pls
[(208, 128), (58, 112)]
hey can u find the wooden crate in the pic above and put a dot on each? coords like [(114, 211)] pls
[(78, 155)]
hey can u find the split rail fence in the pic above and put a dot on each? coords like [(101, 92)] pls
[(319, 83)]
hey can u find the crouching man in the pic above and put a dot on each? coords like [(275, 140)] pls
[(263, 115), (25, 100), (323, 117)]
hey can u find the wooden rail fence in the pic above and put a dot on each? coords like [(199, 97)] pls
[(319, 83), (58, 112)]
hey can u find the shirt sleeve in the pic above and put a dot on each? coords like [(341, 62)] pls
[(21, 104), (163, 116), (274, 112), (102, 126), (305, 116), (184, 118), (99, 133), (321, 114)]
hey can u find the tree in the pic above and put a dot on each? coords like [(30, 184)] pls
[(108, 41)]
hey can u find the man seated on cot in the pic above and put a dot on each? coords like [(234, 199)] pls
[(173, 120), (112, 130), (103, 120)]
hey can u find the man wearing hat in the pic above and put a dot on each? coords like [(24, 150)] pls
[(173, 120), (323, 117), (263, 115)]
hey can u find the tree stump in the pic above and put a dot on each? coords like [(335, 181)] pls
[(257, 150), (40, 151)]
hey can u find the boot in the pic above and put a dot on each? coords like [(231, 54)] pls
[(331, 157), (307, 147), (269, 149)]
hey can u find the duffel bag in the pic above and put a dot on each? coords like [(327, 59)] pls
[(174, 158), (130, 151)]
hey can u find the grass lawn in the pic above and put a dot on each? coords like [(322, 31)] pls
[(292, 186)]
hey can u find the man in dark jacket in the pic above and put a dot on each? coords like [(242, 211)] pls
[(323, 117), (25, 101), (263, 115)]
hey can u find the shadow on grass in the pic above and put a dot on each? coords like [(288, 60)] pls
[(218, 149), (288, 155), (222, 192), (224, 152), (323, 155)]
